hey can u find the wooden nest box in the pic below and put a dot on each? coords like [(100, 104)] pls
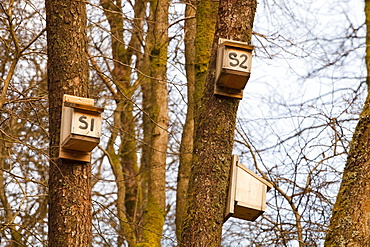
[(80, 128), (247, 193), (233, 68)]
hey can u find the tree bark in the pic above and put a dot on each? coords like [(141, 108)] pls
[(214, 136), (158, 113), (126, 166), (186, 147), (199, 32), (68, 73), (350, 221), (8, 212)]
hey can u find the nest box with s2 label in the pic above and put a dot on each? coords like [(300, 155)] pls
[(233, 68), (80, 128)]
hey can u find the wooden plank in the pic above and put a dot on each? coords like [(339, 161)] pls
[(78, 100), (269, 185), (233, 79), (229, 211), (74, 155), (80, 143), (66, 124), (228, 92), (88, 108), (249, 190), (247, 214), (234, 43)]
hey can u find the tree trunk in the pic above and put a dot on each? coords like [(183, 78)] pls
[(213, 144), (8, 212), (158, 114), (350, 221), (126, 165), (199, 32), (68, 73), (186, 147)]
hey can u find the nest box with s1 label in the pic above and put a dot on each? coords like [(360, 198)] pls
[(233, 68), (247, 193), (80, 128)]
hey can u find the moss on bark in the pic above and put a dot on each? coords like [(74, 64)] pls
[(214, 136)]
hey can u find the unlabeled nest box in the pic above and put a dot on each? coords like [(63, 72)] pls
[(233, 68), (247, 193), (80, 128)]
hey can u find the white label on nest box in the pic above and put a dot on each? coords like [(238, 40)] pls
[(236, 58), (86, 124)]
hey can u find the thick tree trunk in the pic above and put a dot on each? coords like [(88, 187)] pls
[(207, 12), (199, 33), (215, 125), (68, 72), (350, 221)]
